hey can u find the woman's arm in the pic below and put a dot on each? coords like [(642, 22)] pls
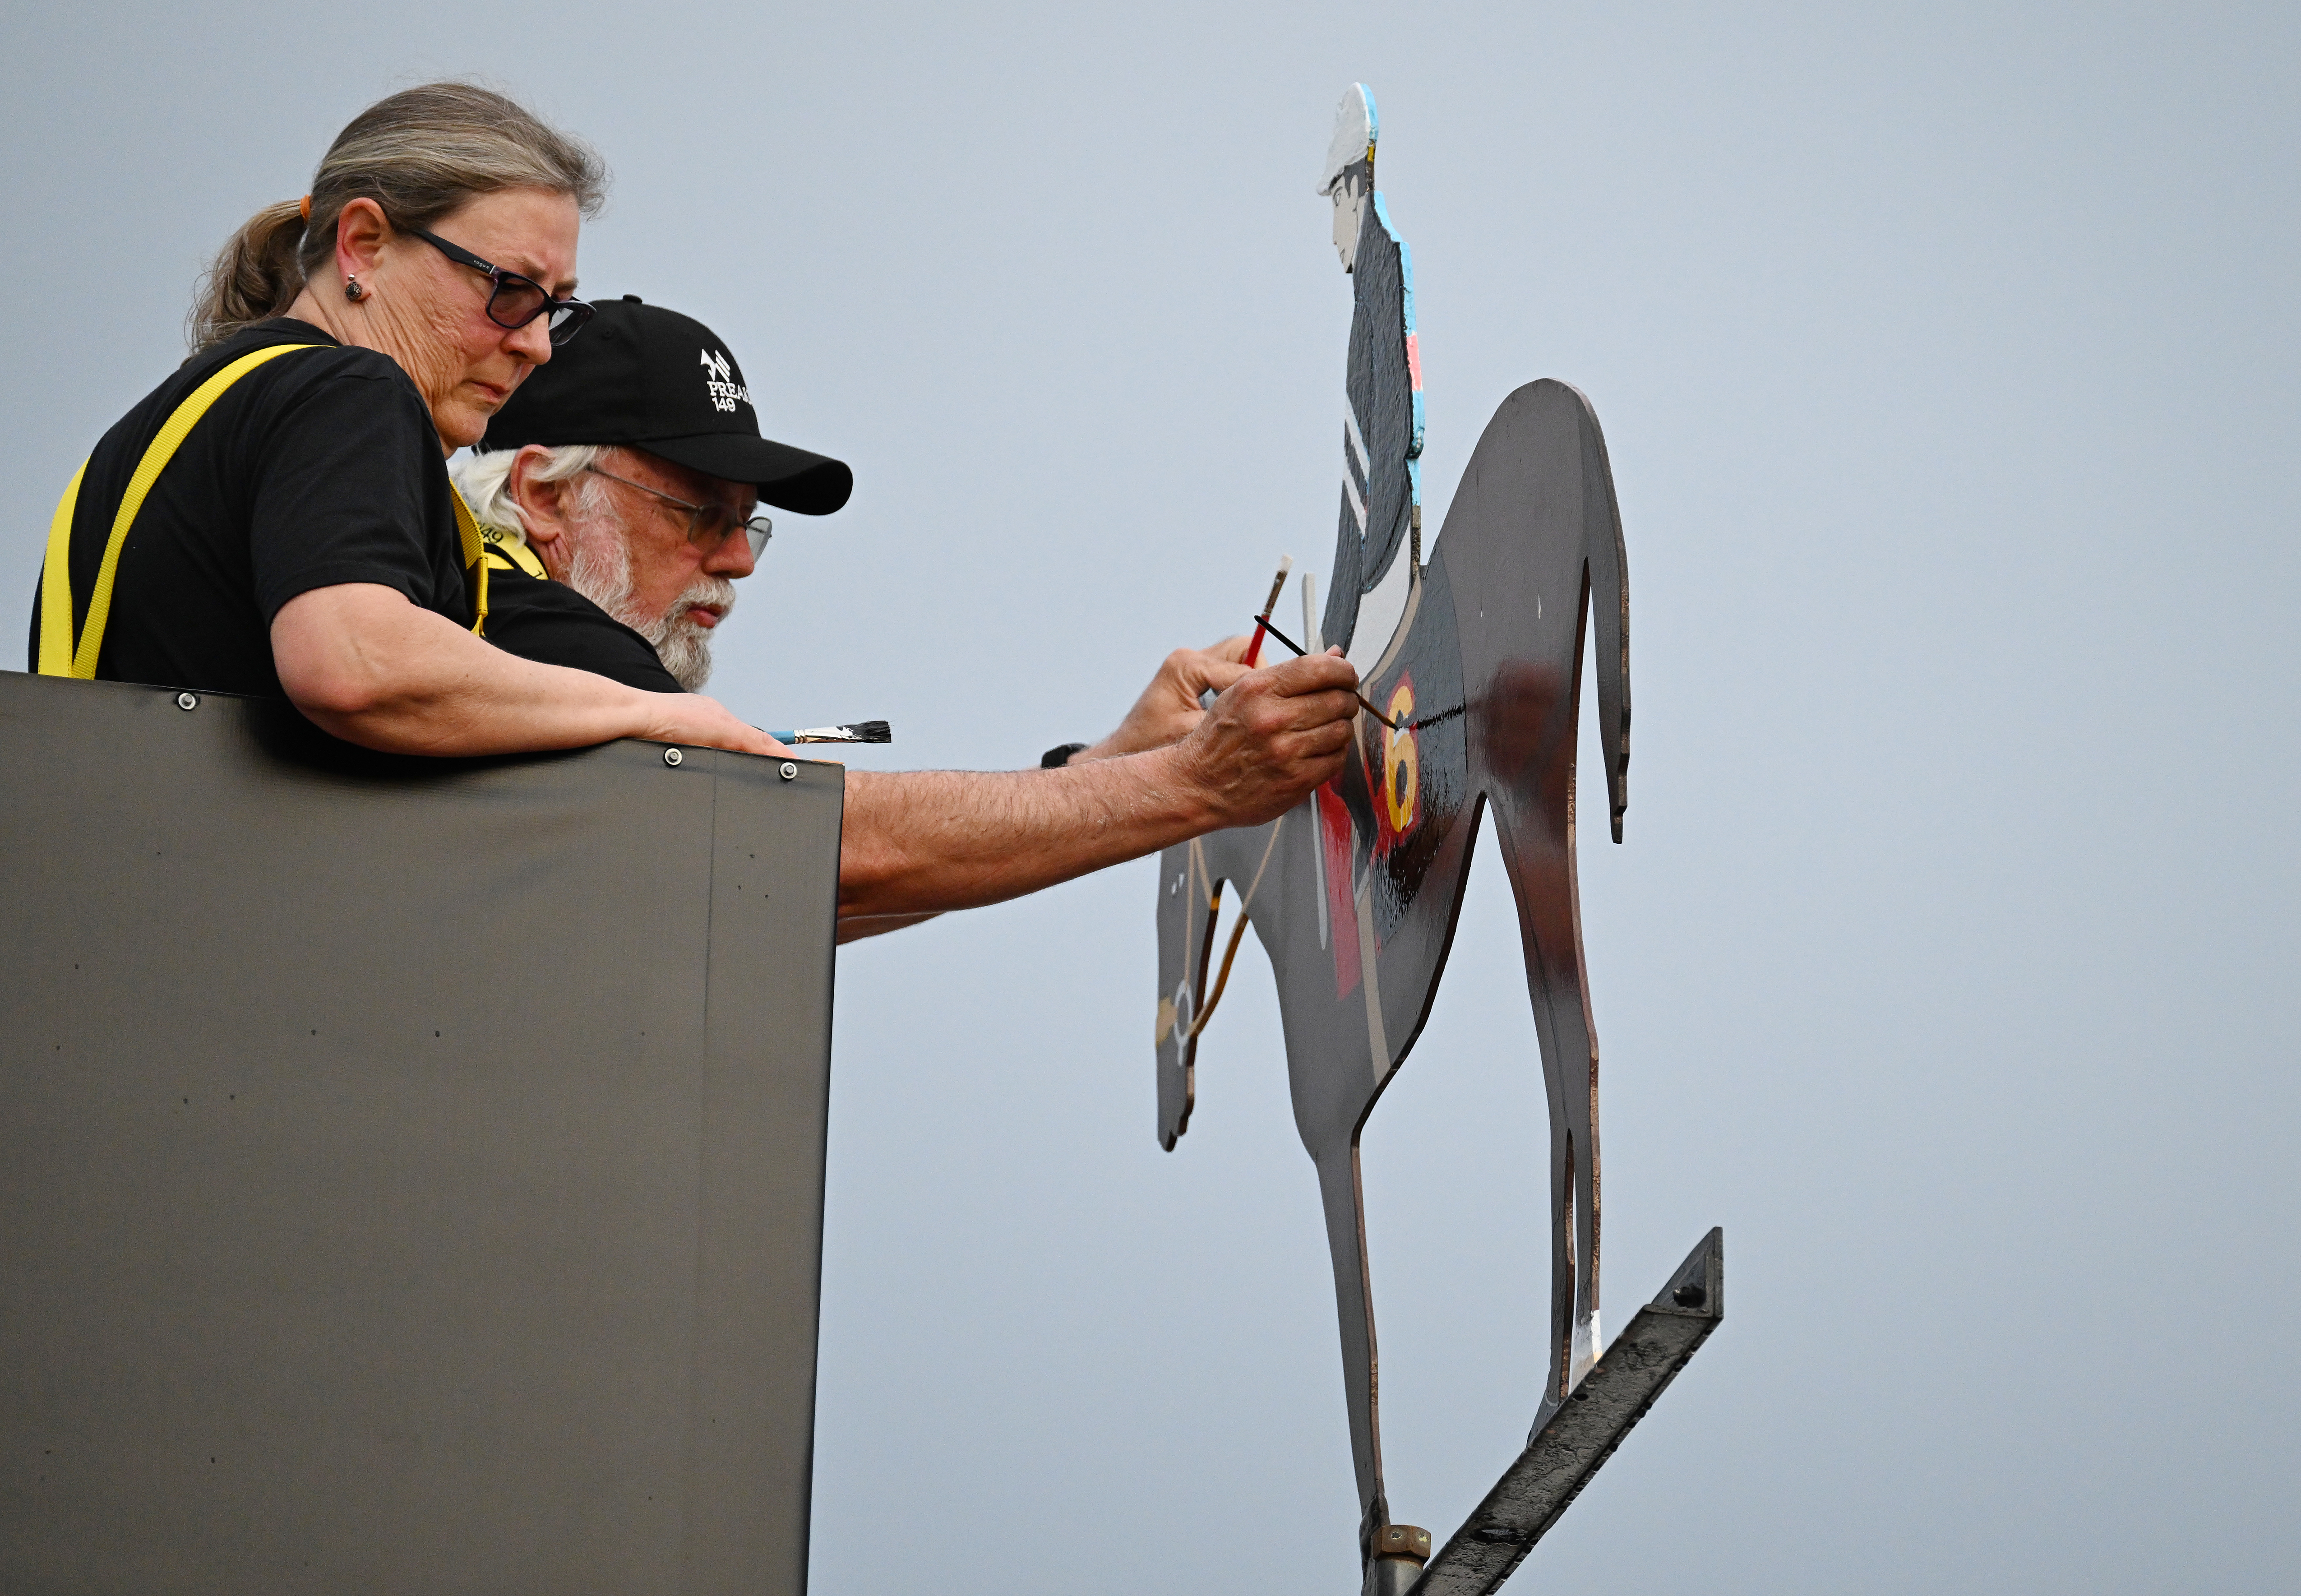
[(366, 665)]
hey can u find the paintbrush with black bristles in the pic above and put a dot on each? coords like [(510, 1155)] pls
[(860, 732)]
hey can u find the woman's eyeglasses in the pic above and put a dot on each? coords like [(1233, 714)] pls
[(516, 300), (708, 525)]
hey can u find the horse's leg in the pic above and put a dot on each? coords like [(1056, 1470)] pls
[(1190, 879), (1338, 1190), (1569, 1068), (1538, 851), (1532, 530)]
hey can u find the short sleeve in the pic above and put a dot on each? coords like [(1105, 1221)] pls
[(350, 486)]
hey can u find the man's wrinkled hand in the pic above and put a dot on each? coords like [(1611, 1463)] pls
[(1274, 735), (1168, 710)]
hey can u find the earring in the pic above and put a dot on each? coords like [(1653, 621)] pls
[(352, 291)]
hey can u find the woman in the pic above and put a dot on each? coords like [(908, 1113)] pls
[(303, 540)]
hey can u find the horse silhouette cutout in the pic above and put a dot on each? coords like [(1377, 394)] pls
[(1476, 656)]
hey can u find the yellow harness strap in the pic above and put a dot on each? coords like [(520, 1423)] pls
[(59, 654), (475, 548), (506, 551), (55, 585)]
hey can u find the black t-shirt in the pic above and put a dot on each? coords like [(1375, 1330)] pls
[(317, 468), (552, 623)]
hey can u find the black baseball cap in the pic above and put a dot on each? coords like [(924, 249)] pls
[(643, 375)]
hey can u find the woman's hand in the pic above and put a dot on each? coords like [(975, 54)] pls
[(698, 722)]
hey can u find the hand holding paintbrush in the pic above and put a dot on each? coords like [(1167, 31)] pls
[(1394, 723), (1253, 654), (1263, 628)]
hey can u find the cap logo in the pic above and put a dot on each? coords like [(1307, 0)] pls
[(719, 377)]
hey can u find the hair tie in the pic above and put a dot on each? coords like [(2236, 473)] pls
[(307, 207)]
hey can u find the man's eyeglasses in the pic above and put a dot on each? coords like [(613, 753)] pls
[(708, 525), (515, 300)]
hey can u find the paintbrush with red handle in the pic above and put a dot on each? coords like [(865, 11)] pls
[(1262, 620)]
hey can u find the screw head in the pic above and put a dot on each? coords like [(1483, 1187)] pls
[(790, 771), (188, 701), (671, 756), (1689, 1295), (1404, 1540)]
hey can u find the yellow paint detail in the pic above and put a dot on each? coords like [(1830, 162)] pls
[(1402, 770), (1166, 1021)]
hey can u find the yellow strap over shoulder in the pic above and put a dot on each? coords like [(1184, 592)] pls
[(475, 548), (60, 655), (55, 585), (508, 551)]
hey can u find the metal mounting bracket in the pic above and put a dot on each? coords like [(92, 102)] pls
[(1562, 1454)]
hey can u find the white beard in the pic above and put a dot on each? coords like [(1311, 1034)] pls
[(682, 643), (600, 569)]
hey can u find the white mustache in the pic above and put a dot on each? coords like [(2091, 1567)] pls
[(713, 593), (683, 643)]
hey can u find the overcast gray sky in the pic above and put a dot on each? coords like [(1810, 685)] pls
[(1947, 358)]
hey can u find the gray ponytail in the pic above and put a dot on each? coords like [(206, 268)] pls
[(419, 154)]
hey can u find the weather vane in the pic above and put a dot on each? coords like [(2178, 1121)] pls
[(1470, 669)]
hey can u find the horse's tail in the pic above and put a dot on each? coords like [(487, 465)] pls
[(1608, 566)]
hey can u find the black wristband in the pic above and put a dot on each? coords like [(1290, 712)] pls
[(1056, 759)]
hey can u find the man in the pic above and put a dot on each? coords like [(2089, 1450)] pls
[(619, 487), (624, 482)]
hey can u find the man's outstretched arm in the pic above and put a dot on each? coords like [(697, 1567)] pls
[(919, 842)]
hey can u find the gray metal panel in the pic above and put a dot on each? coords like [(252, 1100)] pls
[(410, 1172)]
